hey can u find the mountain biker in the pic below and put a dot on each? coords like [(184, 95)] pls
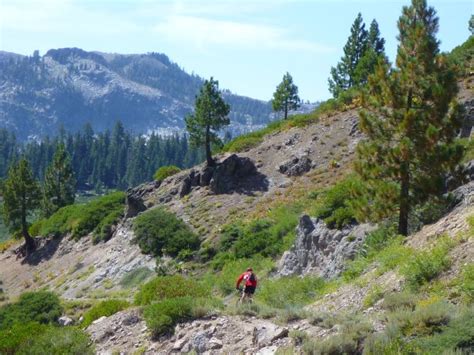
[(250, 284)]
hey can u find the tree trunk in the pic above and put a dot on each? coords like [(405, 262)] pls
[(286, 110), (404, 200), (210, 161), (29, 241)]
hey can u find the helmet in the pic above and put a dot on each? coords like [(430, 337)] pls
[(249, 269)]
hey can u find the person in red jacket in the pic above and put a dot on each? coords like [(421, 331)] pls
[(250, 284)]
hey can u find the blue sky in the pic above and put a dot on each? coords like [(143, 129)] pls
[(246, 45)]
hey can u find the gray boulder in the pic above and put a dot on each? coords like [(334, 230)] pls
[(65, 321), (320, 250), (296, 166), (135, 198)]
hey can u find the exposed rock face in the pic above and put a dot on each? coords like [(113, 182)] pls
[(227, 176), (296, 166), (320, 250), (135, 203)]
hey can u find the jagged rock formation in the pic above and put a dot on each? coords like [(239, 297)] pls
[(296, 166), (320, 250), (70, 86), (232, 174)]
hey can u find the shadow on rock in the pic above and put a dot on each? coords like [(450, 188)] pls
[(233, 174)]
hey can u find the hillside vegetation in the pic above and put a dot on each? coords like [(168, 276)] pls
[(154, 270)]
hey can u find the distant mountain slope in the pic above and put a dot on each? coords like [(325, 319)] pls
[(71, 86)]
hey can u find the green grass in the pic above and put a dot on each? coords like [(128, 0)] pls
[(291, 291), (104, 308), (223, 281), (136, 277), (268, 237), (333, 204), (424, 266)]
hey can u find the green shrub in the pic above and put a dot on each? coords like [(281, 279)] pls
[(41, 306), (12, 338), (457, 335), (334, 205), (58, 341), (166, 171), (336, 344), (81, 219), (426, 265), (104, 308), (467, 283), (135, 277), (103, 231), (375, 294), (161, 317), (395, 300), (265, 236), (158, 231), (285, 292), (164, 287), (225, 280)]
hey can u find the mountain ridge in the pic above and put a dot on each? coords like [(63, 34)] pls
[(70, 86)]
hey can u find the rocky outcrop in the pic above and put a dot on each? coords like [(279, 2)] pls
[(320, 250), (225, 177), (135, 198), (296, 166)]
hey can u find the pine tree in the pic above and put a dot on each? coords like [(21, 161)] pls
[(59, 183), (21, 196), (286, 97), (343, 76), (374, 50), (210, 115), (410, 118)]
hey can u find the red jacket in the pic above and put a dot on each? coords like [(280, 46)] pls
[(246, 277)]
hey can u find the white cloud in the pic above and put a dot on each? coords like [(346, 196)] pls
[(202, 32)]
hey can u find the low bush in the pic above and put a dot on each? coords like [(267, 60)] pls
[(164, 287), (224, 281), (159, 232), (104, 308), (395, 300), (291, 291), (268, 236), (95, 216), (457, 335), (166, 171), (41, 306), (434, 328), (161, 317), (56, 341), (136, 277), (334, 205), (424, 266), (467, 283), (375, 294), (13, 337)]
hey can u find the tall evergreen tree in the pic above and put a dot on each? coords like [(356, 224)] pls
[(21, 196), (210, 115), (286, 96), (374, 50), (343, 76), (411, 118), (59, 182)]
